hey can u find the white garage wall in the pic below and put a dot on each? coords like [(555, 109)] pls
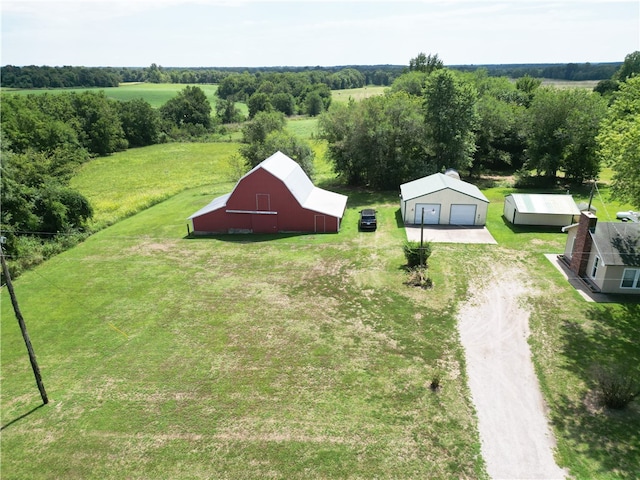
[(445, 198)]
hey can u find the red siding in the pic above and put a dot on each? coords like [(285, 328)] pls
[(261, 191)]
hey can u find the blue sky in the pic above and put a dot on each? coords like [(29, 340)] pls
[(252, 33)]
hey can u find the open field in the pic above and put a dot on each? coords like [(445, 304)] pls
[(587, 84), (292, 356), (156, 94), (343, 96)]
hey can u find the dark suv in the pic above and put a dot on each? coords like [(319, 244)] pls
[(368, 219)]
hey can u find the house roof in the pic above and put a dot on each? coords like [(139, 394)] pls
[(297, 182), (618, 243), (545, 203), (436, 182)]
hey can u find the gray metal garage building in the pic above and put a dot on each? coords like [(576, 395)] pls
[(444, 200)]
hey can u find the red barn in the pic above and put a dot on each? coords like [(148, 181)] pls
[(275, 196)]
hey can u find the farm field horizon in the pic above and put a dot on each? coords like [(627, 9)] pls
[(297, 356)]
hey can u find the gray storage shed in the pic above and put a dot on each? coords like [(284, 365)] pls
[(542, 209), (445, 200)]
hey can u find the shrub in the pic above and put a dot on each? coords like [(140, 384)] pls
[(415, 255), (418, 277), (616, 385)]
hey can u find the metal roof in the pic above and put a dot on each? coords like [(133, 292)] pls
[(436, 182), (545, 203), (215, 204), (291, 174)]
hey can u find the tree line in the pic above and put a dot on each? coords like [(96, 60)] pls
[(433, 118), (32, 76)]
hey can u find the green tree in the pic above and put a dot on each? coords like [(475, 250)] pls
[(378, 142), (227, 111), (189, 107), (284, 102), (411, 82), (100, 127), (140, 122), (450, 117), (561, 130), (528, 85), (629, 68), (619, 141), (425, 63), (500, 140), (255, 132), (579, 159), (259, 102), (295, 148)]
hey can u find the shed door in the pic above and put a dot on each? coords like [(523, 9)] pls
[(431, 213), (463, 215)]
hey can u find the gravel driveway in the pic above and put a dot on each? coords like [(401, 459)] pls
[(517, 442)]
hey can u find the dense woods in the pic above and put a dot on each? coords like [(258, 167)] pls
[(431, 118)]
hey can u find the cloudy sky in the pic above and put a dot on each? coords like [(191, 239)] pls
[(191, 33)]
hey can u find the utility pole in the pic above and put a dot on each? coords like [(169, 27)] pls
[(422, 238), (23, 327), (593, 187)]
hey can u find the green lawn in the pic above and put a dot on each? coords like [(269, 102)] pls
[(289, 356), (295, 356)]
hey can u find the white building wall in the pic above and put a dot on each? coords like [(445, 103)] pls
[(445, 198)]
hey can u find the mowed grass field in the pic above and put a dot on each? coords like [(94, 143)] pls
[(157, 94), (285, 356)]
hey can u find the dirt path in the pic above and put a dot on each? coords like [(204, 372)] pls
[(517, 442)]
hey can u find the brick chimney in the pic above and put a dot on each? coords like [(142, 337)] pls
[(582, 243)]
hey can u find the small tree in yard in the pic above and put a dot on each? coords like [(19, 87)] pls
[(417, 255), (616, 386)]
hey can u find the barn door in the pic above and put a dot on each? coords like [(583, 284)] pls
[(320, 224), (263, 202)]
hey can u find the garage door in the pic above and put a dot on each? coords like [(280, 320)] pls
[(463, 215), (431, 213)]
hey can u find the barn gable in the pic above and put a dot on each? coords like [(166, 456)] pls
[(274, 196)]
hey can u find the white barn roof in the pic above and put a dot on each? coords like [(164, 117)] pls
[(291, 174), (436, 182), (545, 203)]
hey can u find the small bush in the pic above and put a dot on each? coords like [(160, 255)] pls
[(415, 255), (616, 386)]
